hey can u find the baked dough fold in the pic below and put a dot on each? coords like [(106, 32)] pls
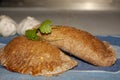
[(34, 57), (82, 45)]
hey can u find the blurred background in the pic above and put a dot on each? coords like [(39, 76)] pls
[(99, 17)]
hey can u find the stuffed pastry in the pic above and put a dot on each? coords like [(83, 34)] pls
[(82, 45), (34, 57)]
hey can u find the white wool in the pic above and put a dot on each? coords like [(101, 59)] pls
[(27, 23), (7, 26)]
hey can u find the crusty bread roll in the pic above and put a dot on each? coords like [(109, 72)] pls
[(82, 44), (34, 57)]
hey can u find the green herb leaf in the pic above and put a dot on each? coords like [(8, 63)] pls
[(45, 27), (31, 34)]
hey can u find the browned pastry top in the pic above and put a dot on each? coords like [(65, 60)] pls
[(82, 44), (33, 57)]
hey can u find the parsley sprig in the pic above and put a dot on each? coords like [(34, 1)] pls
[(44, 28)]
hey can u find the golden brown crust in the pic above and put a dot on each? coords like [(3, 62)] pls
[(35, 57), (82, 44)]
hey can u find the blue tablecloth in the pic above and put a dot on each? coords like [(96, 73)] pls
[(83, 71)]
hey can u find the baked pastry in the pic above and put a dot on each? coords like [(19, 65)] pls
[(34, 57), (82, 45)]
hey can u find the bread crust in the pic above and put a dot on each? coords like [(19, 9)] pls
[(34, 57), (82, 44)]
